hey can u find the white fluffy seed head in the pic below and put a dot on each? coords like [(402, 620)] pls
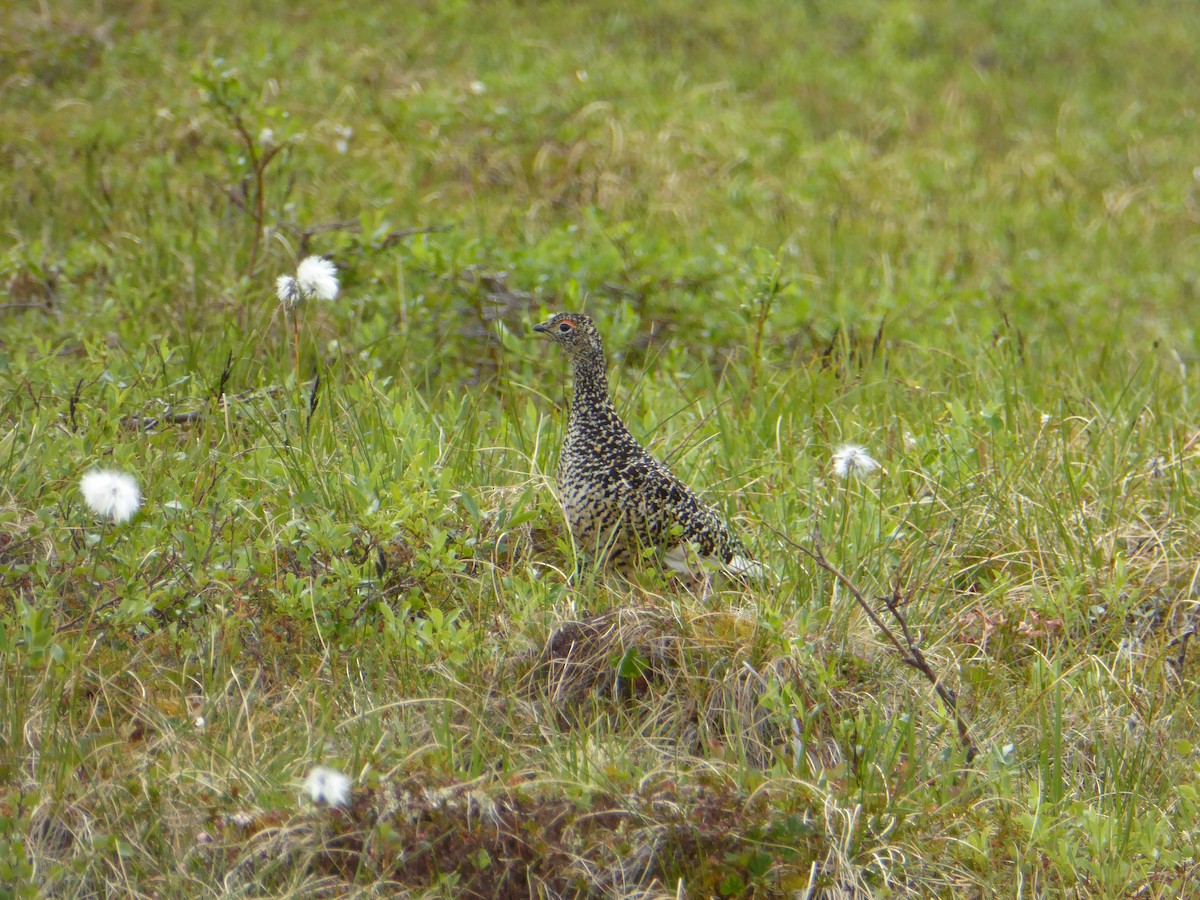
[(317, 278), (851, 460), (327, 787), (287, 290), (113, 495)]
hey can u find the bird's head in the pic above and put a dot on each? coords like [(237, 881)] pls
[(575, 332)]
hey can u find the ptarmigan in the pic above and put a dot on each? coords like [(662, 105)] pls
[(620, 500)]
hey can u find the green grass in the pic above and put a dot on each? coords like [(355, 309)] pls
[(961, 234)]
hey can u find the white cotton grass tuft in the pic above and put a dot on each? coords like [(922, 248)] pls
[(851, 460), (287, 290), (327, 787), (113, 495), (315, 279)]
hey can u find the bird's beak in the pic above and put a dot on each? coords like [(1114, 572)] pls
[(543, 327)]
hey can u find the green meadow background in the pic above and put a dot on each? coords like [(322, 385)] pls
[(960, 234)]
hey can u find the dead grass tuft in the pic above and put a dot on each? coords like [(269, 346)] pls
[(516, 839), (698, 685)]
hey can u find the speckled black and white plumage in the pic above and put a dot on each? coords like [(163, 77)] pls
[(620, 500)]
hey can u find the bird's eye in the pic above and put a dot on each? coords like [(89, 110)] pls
[(565, 327)]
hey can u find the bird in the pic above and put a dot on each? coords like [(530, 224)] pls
[(618, 499)]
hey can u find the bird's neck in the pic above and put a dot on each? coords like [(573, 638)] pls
[(591, 381)]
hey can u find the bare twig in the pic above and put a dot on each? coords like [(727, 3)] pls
[(352, 226), (394, 237), (259, 165), (260, 158), (89, 614), (231, 195), (382, 594), (171, 416), (184, 418), (907, 647), (304, 235)]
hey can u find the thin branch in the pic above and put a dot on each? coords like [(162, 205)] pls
[(304, 235), (171, 416), (231, 195), (394, 237), (325, 227), (184, 418), (107, 604), (259, 166), (908, 649), (382, 594), (44, 307)]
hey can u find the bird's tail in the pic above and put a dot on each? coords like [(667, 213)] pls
[(682, 559), (750, 569)]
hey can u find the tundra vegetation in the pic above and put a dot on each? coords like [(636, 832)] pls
[(960, 235)]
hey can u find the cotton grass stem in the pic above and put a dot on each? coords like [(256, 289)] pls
[(296, 341)]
